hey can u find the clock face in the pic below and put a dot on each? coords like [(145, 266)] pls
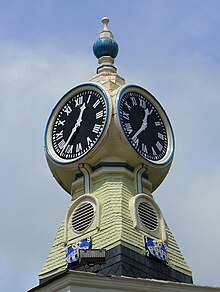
[(77, 123), (145, 124)]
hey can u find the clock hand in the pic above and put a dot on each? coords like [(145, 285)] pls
[(77, 125), (144, 123), (79, 120), (147, 113), (138, 132)]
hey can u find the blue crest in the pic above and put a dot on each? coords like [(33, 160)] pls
[(156, 249), (72, 252)]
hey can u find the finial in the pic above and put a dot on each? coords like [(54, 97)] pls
[(105, 47), (105, 21), (106, 32), (106, 50)]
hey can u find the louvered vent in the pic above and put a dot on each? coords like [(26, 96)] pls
[(82, 217), (148, 216)]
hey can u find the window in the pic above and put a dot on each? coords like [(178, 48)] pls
[(147, 216), (82, 217)]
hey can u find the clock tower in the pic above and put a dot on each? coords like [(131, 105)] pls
[(110, 145)]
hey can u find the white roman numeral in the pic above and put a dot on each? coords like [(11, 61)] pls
[(128, 106), (135, 140), (157, 124), (128, 128), (153, 151), (67, 109), (89, 141), (161, 136), (96, 128), (142, 103), (59, 135), (78, 100), (69, 149), (59, 122), (144, 148), (78, 147), (125, 115), (159, 146), (88, 99), (61, 144), (133, 99), (98, 115), (96, 103)]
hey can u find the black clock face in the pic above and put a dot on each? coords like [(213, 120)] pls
[(142, 124), (78, 124)]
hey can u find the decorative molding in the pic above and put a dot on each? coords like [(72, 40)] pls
[(138, 172), (88, 174), (112, 164), (86, 171)]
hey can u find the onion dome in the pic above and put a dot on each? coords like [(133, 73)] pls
[(105, 48), (105, 45)]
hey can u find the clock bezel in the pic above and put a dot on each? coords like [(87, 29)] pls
[(49, 126), (170, 135)]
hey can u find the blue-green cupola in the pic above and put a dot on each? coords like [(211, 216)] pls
[(105, 48), (105, 45)]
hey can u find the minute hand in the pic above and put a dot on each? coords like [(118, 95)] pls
[(144, 123), (77, 125)]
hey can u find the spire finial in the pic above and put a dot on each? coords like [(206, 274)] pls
[(105, 46), (105, 49), (105, 21), (105, 31)]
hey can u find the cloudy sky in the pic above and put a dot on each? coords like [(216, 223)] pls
[(172, 48)]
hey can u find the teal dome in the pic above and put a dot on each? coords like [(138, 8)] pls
[(105, 46)]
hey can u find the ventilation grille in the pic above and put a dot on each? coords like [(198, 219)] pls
[(148, 216), (82, 217)]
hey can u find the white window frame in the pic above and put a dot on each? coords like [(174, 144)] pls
[(69, 233), (160, 231)]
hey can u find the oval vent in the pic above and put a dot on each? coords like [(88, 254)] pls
[(148, 216), (82, 217)]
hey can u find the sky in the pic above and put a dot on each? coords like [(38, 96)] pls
[(169, 47)]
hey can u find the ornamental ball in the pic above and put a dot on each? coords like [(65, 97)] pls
[(105, 46)]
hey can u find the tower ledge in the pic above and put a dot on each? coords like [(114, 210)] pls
[(87, 282), (108, 78)]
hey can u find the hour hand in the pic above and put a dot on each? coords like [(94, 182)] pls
[(142, 128), (144, 123), (147, 113)]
